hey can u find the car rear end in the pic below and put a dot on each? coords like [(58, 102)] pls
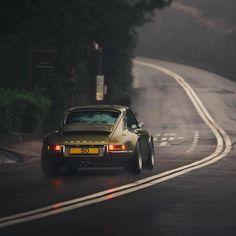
[(87, 153), (86, 144)]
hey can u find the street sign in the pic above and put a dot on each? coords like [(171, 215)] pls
[(44, 59), (100, 88)]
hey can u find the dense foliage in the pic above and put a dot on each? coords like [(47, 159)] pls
[(75, 36), (23, 111)]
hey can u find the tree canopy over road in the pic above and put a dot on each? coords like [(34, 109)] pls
[(54, 47)]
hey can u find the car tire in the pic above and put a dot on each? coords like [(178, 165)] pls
[(137, 165), (151, 155), (50, 169)]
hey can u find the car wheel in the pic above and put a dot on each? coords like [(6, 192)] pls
[(138, 162), (49, 169), (151, 155)]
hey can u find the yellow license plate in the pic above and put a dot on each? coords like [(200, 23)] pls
[(84, 151)]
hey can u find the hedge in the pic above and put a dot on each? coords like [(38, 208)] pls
[(23, 111)]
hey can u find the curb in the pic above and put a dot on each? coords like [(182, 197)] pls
[(8, 157)]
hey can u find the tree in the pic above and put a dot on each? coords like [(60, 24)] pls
[(70, 28)]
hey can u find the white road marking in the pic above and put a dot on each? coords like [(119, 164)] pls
[(195, 141), (169, 134), (224, 146), (166, 139), (164, 144)]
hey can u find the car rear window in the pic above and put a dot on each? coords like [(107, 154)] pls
[(92, 117)]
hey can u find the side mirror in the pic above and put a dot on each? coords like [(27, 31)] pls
[(140, 124)]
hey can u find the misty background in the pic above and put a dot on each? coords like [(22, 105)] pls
[(52, 51), (195, 32)]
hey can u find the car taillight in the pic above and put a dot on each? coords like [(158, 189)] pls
[(55, 148), (115, 147)]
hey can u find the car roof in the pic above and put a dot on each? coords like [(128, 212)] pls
[(99, 107)]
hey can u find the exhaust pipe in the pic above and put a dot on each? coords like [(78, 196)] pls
[(84, 163)]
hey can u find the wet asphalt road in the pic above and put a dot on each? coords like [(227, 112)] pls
[(200, 202)]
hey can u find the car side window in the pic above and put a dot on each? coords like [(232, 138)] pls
[(130, 119)]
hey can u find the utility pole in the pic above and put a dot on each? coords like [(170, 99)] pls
[(96, 86), (99, 76), (30, 68)]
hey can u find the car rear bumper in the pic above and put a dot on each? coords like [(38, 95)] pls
[(109, 160)]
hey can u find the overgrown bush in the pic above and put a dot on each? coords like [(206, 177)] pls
[(23, 111)]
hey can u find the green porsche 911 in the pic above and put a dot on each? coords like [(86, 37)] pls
[(98, 136)]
